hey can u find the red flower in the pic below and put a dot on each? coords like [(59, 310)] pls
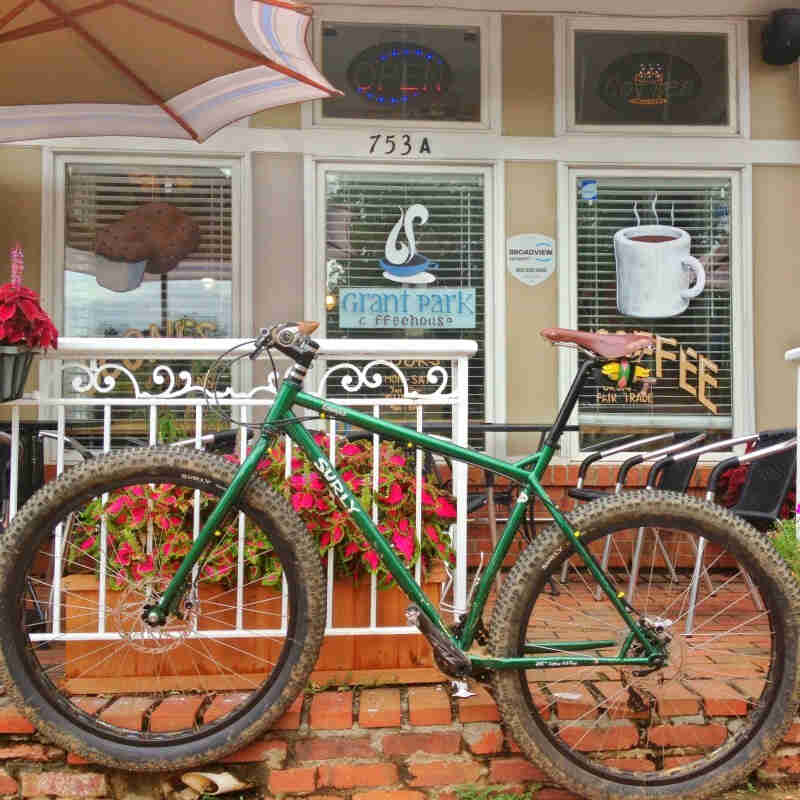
[(22, 319)]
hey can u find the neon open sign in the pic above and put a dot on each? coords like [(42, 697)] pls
[(399, 73)]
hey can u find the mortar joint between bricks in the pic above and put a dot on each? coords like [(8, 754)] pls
[(305, 715), (405, 721), (356, 706)]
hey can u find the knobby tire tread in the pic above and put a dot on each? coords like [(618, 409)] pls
[(91, 477), (513, 603)]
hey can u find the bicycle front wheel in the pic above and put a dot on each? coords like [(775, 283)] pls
[(85, 557), (697, 723)]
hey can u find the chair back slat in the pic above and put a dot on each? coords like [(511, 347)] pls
[(768, 481)]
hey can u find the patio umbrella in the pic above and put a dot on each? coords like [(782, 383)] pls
[(166, 68)]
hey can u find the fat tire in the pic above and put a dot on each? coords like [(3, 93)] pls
[(632, 509), (213, 474)]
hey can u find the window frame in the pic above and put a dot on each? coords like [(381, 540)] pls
[(54, 166), (738, 74), (312, 115), (742, 344), (494, 268)]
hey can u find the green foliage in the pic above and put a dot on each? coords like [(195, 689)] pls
[(471, 792), (784, 538)]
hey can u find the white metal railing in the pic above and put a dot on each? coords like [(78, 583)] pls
[(96, 365), (794, 355)]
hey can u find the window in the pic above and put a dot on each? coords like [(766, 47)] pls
[(405, 254), (430, 69), (147, 248), (116, 281), (697, 358), (651, 75)]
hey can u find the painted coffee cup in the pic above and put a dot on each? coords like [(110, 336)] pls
[(655, 270)]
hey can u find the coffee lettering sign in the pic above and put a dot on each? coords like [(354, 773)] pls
[(696, 375)]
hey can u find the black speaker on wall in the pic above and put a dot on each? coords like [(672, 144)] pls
[(780, 39)]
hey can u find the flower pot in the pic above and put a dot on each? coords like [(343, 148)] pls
[(15, 364)]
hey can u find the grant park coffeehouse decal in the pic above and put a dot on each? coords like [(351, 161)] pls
[(531, 257), (407, 307)]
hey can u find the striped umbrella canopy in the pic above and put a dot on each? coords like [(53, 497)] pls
[(166, 68)]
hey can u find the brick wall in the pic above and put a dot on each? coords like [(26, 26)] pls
[(398, 743)]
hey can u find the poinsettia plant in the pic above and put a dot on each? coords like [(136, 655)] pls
[(149, 527), (22, 319)]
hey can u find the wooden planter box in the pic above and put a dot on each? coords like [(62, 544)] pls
[(344, 659)]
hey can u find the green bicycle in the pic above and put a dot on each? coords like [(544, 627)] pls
[(611, 698)]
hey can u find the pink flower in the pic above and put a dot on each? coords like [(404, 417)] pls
[(404, 545), (168, 545), (139, 513), (297, 464), (144, 567), (350, 449), (137, 490), (118, 504), (302, 500), (124, 554), (427, 500), (395, 494), (325, 539), (371, 557), (444, 508), (351, 549), (297, 481), (338, 534), (87, 544), (398, 460), (317, 484), (432, 534)]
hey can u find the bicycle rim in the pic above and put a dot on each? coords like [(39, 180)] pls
[(80, 604), (729, 655)]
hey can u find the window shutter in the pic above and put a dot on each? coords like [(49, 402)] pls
[(701, 207)]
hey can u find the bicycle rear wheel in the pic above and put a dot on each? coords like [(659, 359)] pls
[(728, 690), (78, 656)]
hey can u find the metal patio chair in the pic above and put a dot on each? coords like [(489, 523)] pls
[(676, 479), (772, 466)]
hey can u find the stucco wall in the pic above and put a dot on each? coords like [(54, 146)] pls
[(774, 95), (531, 362), (21, 213), (277, 238), (776, 292), (21, 209), (528, 76)]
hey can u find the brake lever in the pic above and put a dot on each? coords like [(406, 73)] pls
[(262, 342)]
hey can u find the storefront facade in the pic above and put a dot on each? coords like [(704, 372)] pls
[(470, 185)]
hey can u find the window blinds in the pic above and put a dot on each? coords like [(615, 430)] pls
[(199, 288), (701, 207), (194, 299), (361, 210)]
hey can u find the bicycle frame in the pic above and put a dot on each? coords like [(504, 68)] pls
[(525, 472)]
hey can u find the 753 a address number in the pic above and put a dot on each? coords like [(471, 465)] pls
[(398, 144)]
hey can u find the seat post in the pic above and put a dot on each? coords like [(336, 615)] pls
[(565, 412)]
